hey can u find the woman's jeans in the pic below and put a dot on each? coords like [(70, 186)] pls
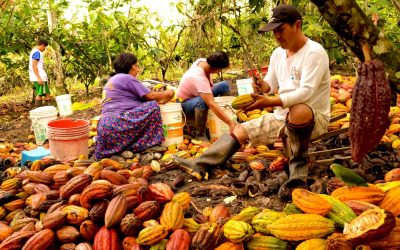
[(197, 102)]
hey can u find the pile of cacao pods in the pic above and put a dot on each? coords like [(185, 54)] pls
[(103, 205)]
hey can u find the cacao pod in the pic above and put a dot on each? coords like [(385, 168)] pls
[(370, 194), (106, 238), (88, 230), (67, 234), (219, 212), (179, 240), (391, 202), (310, 202), (172, 216), (266, 243), (130, 225), (151, 235), (237, 231), (41, 240), (115, 211), (160, 192)]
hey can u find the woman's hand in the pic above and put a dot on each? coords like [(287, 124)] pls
[(260, 103)]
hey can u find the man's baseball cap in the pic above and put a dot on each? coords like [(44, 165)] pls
[(282, 14)]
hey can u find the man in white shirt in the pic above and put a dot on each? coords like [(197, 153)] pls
[(299, 73), (37, 74)]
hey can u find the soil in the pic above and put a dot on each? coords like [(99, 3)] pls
[(15, 127)]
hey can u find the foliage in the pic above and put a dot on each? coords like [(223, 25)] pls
[(107, 27)]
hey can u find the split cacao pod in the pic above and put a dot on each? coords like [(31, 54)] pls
[(172, 216), (297, 227), (106, 238), (310, 202), (370, 194), (369, 109), (391, 241), (179, 240), (115, 211), (371, 225)]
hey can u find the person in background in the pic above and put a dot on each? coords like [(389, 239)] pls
[(299, 72), (37, 74), (196, 92), (131, 117)]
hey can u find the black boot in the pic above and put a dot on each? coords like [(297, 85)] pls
[(200, 120), (215, 155), (299, 137), (38, 103)]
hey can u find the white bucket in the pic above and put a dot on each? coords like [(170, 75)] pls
[(40, 117), (215, 125), (244, 86), (64, 105), (172, 123)]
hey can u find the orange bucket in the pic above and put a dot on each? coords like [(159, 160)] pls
[(68, 138)]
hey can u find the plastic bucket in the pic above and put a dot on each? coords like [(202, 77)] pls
[(215, 125), (40, 117), (68, 138), (172, 123), (64, 105), (244, 86)]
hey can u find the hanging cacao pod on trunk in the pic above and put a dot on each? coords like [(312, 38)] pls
[(370, 107)]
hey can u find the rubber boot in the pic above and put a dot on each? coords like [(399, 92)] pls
[(200, 120), (217, 154), (299, 137)]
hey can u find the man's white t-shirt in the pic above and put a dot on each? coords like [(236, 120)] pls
[(37, 55), (301, 78)]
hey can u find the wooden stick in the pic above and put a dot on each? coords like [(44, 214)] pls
[(366, 52)]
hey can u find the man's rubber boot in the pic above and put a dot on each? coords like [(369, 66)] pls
[(299, 137), (200, 121), (217, 154)]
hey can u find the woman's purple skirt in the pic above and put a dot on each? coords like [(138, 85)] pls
[(135, 130)]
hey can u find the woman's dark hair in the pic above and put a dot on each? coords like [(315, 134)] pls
[(218, 60), (123, 62)]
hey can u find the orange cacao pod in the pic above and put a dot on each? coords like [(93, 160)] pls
[(160, 192), (113, 177), (370, 194), (127, 189), (182, 198), (94, 170), (67, 234), (393, 175), (60, 178), (115, 211), (257, 165), (14, 205), (219, 212), (52, 170), (129, 243), (111, 163), (179, 240), (230, 246), (40, 177), (278, 164), (16, 240), (106, 238), (5, 231), (75, 200), (391, 202), (310, 202), (41, 240), (130, 225), (172, 216), (147, 210), (75, 215), (68, 246), (75, 185), (54, 219), (100, 189), (88, 230), (74, 171)]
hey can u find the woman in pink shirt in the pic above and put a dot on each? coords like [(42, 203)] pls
[(196, 92)]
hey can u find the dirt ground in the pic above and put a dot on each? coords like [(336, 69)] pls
[(15, 127)]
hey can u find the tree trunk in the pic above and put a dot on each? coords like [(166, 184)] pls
[(58, 70), (355, 28)]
